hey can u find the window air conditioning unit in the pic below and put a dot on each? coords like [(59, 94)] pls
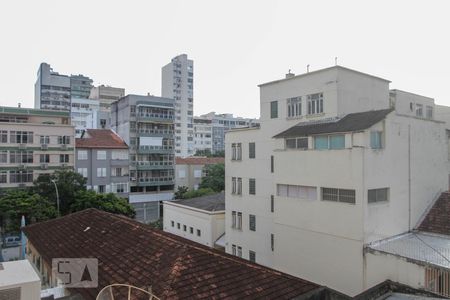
[(44, 147), (44, 166), (64, 146), (22, 146), (21, 185)]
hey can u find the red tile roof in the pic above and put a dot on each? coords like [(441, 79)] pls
[(175, 268), (438, 218), (197, 160), (100, 138)]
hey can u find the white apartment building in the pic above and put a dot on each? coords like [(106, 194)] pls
[(201, 219), (339, 161), (203, 132), (19, 281), (178, 84), (84, 114)]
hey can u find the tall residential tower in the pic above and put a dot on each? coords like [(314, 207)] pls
[(178, 84)]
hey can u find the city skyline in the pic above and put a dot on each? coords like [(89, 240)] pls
[(126, 46)]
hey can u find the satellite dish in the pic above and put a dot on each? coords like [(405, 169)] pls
[(125, 291)]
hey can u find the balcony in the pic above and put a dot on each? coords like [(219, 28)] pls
[(153, 165), (152, 181), (154, 117), (155, 149), (155, 132)]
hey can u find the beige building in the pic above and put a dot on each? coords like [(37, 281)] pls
[(33, 142), (189, 171)]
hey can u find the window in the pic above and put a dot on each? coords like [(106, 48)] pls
[(252, 222), (172, 223), (3, 157), (252, 186), (378, 195), (20, 176), (44, 139), (184, 227), (101, 155), (274, 109), (83, 172), (3, 136), (44, 158), (21, 157), (315, 104), (64, 158), (271, 164), (181, 173), (294, 107), (191, 230), (120, 187), (101, 189), (429, 112), (297, 191), (297, 143), (21, 137), (324, 142), (251, 150), (236, 153), (3, 176), (376, 139), (233, 249), (233, 185), (252, 256), (239, 221), (239, 186), (272, 241), (419, 110), (119, 155), (233, 219), (101, 172), (239, 251), (199, 233), (197, 173), (63, 140), (82, 155), (178, 225), (272, 203), (338, 195)]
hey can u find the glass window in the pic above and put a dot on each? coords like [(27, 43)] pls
[(44, 139), (429, 112), (82, 155), (378, 195), (4, 156), (376, 139), (291, 143), (252, 186), (64, 158), (252, 222), (321, 142), (338, 195), (419, 110), (274, 109), (294, 107), (315, 103), (3, 136), (337, 141), (44, 158), (101, 155), (251, 150), (252, 256)]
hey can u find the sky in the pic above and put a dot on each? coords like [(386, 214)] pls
[(235, 45)]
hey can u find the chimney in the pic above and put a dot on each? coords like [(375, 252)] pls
[(289, 74)]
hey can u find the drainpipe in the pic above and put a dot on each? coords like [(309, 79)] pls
[(409, 177)]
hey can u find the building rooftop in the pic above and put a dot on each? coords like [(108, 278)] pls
[(175, 268), (101, 139), (17, 272), (437, 220), (211, 203), (348, 123), (198, 160), (32, 111)]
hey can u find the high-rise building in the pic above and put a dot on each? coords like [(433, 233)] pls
[(106, 95), (33, 142), (146, 125), (80, 86), (178, 84), (51, 90)]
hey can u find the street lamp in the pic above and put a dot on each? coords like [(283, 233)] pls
[(57, 195)]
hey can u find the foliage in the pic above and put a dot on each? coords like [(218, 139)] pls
[(69, 183), (215, 177), (158, 224), (207, 153), (106, 202), (17, 203), (198, 193), (180, 192)]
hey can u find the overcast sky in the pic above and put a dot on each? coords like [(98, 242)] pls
[(235, 45)]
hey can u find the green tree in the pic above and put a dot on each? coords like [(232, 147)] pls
[(180, 192), (215, 177), (106, 202), (17, 203), (69, 183), (198, 193), (158, 224), (203, 152)]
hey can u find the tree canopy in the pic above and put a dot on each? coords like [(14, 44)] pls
[(106, 202), (215, 177)]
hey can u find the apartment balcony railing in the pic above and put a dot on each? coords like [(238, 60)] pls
[(153, 165), (152, 181), (155, 149), (155, 132), (151, 117)]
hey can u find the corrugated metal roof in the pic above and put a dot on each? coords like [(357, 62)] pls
[(349, 123), (420, 247)]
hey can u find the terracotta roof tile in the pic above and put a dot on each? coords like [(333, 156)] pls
[(197, 160), (175, 268), (438, 218), (100, 138)]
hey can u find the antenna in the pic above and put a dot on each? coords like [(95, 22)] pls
[(335, 61), (307, 68)]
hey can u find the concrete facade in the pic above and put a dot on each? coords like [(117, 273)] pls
[(178, 84), (33, 142), (51, 90), (84, 114), (304, 235)]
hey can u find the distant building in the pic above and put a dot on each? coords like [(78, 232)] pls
[(19, 281), (106, 95), (52, 90), (201, 219), (102, 158), (33, 142), (146, 123), (80, 86), (84, 114), (190, 170), (210, 129), (178, 84)]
